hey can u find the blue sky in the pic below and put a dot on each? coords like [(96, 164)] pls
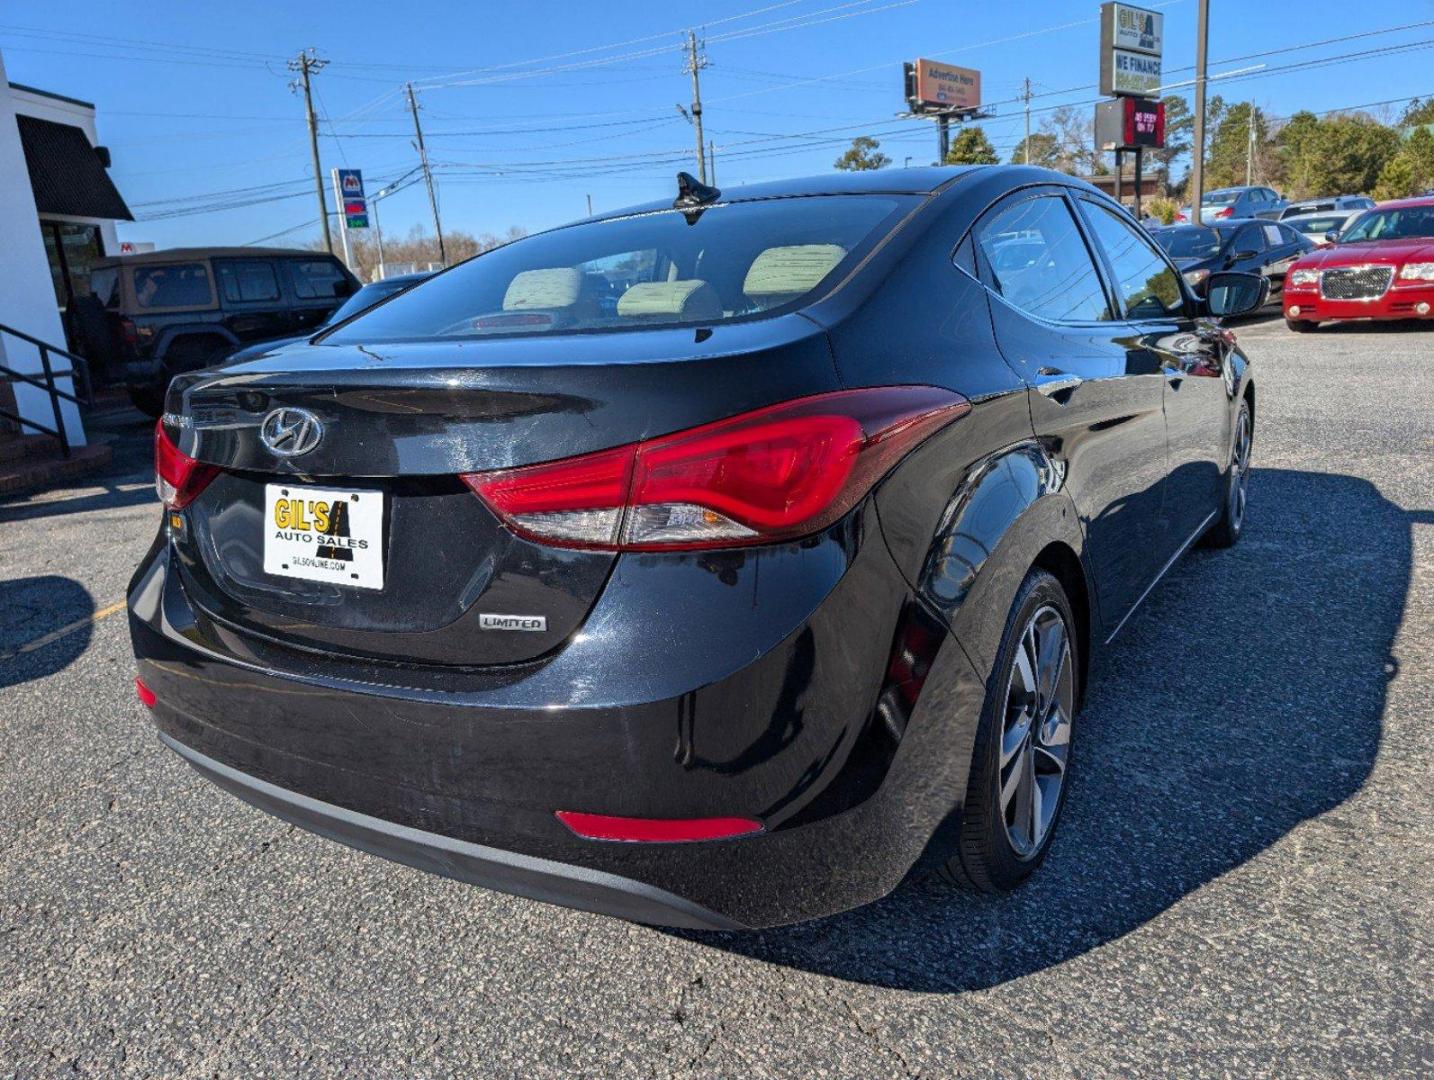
[(530, 108)]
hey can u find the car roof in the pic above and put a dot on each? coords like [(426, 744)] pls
[(1404, 204), (917, 180), (923, 180), (190, 254)]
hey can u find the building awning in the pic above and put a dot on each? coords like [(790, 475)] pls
[(66, 173)]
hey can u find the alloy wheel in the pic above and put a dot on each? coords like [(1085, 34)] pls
[(1240, 470), (1035, 740)]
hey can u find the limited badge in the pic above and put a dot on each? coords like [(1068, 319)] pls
[(535, 623)]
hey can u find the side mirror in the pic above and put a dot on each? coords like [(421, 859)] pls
[(1332, 236), (1229, 294), (1241, 256)]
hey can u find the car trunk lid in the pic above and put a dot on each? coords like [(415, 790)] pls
[(397, 425)]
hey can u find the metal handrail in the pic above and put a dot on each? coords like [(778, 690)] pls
[(79, 372)]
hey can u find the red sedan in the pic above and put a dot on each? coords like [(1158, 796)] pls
[(1381, 268)]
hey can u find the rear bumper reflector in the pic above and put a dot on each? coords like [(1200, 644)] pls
[(145, 694), (656, 830)]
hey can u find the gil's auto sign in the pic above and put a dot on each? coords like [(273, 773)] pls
[(1132, 40)]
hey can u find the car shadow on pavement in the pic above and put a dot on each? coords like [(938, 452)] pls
[(1245, 698), (45, 623)]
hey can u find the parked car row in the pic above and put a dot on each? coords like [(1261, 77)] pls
[(1335, 257)]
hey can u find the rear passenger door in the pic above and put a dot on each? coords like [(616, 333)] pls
[(1286, 245), (251, 298), (1096, 403)]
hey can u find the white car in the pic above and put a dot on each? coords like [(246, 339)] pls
[(1319, 226)]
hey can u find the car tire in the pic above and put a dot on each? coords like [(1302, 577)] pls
[(1302, 326), (1231, 523), (147, 399), (1021, 761)]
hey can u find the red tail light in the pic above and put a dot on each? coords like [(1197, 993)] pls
[(128, 334), (656, 830), (178, 478), (1228, 211), (776, 473)]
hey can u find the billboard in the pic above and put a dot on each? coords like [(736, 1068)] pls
[(934, 87), (1128, 123), (1132, 42)]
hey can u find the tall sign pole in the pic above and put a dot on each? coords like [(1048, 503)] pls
[(343, 220), (427, 174), (1197, 151), (696, 63), (304, 65)]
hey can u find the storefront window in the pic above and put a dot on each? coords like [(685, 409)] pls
[(72, 249)]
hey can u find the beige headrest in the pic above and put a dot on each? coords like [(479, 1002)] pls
[(691, 299), (791, 271), (557, 287)]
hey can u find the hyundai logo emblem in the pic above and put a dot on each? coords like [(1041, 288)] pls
[(291, 432)]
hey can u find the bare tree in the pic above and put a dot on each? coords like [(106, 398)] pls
[(418, 250)]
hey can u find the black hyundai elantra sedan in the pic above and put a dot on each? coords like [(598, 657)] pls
[(713, 563)]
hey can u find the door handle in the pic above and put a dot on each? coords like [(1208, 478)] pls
[(1052, 381)]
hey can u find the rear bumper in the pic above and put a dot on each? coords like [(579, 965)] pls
[(852, 758), (505, 871)]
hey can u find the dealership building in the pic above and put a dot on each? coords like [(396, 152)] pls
[(58, 209)]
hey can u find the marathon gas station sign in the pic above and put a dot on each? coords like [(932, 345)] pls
[(1132, 41), (349, 186)]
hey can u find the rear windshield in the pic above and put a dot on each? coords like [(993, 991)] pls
[(1192, 243), (104, 284), (1221, 198), (1318, 225), (660, 269), (176, 285)]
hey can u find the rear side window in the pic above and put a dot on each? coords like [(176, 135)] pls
[(317, 279), (1148, 286), (104, 284), (1039, 262), (173, 286), (1250, 238), (724, 262), (248, 282)]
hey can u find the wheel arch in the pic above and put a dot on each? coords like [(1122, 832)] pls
[(1011, 514), (190, 332)]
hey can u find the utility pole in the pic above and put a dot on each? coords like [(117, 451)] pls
[(712, 161), (427, 174), (1250, 149), (590, 206), (1197, 152), (696, 63), (304, 65), (1027, 97)]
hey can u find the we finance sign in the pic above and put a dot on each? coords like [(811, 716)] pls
[(1132, 43)]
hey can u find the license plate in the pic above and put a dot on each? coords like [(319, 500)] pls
[(324, 534)]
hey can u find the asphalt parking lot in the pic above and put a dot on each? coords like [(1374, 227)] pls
[(1243, 884)]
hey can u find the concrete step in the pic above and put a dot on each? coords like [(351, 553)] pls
[(29, 474), (15, 448)]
